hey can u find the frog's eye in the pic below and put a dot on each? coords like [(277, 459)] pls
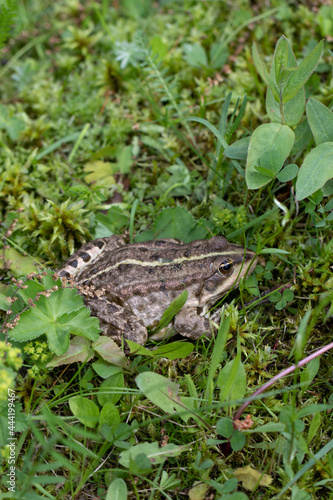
[(226, 267)]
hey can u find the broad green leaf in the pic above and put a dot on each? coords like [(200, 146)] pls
[(266, 138), (155, 454), (238, 150), (117, 490), (109, 351), (315, 171), (85, 410), (100, 172), (110, 389), (320, 119), (159, 390), (305, 69), (262, 70), (109, 415), (78, 351), (138, 349)]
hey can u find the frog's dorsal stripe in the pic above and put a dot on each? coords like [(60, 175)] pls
[(160, 262)]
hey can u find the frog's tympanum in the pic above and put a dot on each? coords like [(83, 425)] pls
[(128, 287)]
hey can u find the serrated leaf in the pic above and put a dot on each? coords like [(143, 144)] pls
[(85, 410), (109, 351), (79, 350), (56, 316), (320, 120), (153, 452), (315, 171), (300, 76)]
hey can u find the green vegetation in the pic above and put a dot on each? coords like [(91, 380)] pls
[(152, 120)]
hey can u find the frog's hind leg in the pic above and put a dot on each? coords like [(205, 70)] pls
[(117, 322)]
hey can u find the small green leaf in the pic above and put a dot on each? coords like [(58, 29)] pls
[(109, 415), (195, 55), (237, 441), (315, 171), (78, 351), (173, 350), (238, 149), (104, 369), (173, 309), (110, 389), (224, 427), (288, 173), (281, 57), (299, 77), (262, 70), (232, 380), (85, 410), (117, 490), (159, 390)]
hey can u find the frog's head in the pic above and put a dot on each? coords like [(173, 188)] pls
[(225, 264)]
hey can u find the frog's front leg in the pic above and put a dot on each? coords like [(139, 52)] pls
[(189, 324), (117, 322)]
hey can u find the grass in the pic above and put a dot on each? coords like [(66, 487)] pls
[(124, 118)]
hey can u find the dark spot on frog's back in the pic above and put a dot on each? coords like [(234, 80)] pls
[(99, 243), (151, 270), (73, 263), (84, 256), (162, 286), (187, 254)]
